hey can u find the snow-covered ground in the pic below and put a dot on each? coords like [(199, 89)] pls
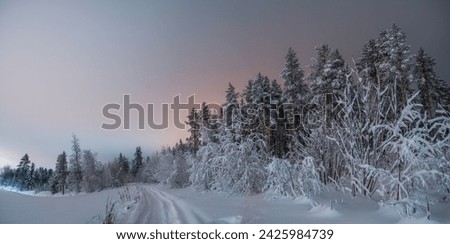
[(159, 204), (16, 207)]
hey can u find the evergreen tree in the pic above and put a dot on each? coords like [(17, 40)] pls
[(123, 168), (23, 170), (194, 129), (318, 65), (277, 134), (367, 64), (61, 172), (30, 180), (207, 127), (328, 77), (205, 115), (394, 68), (446, 98), (369, 82), (293, 102), (256, 112), (75, 177), (137, 163), (231, 107), (293, 76), (320, 88), (180, 172), (431, 87), (7, 176)]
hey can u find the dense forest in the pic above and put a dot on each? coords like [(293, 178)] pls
[(378, 126)]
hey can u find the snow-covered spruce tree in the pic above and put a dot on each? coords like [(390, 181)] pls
[(261, 113), (205, 123), (368, 62), (137, 164), (232, 120), (412, 170), (122, 173), (256, 110), (31, 180), (230, 106), (294, 87), (384, 68), (22, 171), (293, 98), (393, 68), (277, 142), (75, 176), (211, 124), (446, 98), (61, 173), (194, 139), (431, 87)]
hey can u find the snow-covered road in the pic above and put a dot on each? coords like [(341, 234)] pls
[(157, 207)]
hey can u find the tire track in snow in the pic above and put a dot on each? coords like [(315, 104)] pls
[(157, 207), (187, 213)]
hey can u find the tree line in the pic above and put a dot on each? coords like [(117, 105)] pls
[(78, 172), (378, 127)]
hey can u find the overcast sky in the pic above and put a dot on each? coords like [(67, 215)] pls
[(62, 61)]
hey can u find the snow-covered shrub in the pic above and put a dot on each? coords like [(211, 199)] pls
[(92, 172), (164, 166), (291, 180), (110, 213), (150, 168), (308, 177), (205, 166), (414, 162), (440, 136), (246, 172), (232, 166), (180, 172), (280, 182), (357, 146)]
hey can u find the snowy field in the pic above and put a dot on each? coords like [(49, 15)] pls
[(159, 204)]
